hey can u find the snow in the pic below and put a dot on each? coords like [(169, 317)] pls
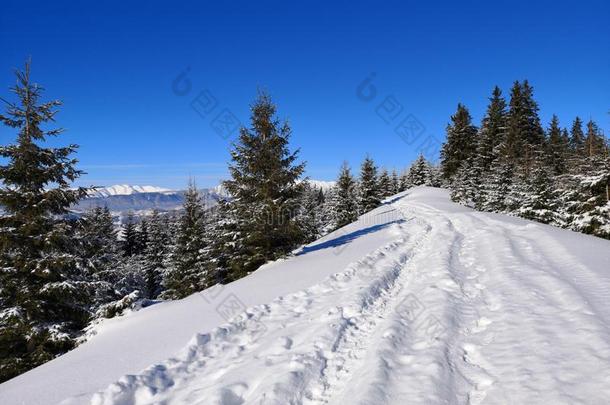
[(125, 189), (419, 301)]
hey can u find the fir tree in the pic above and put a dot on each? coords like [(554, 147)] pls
[(577, 138), (369, 193), (460, 144), (154, 261), (557, 148), (594, 144), (129, 235), (492, 132), (385, 184), (345, 207), (419, 173), (265, 188), (525, 136), (395, 182), (42, 307), (188, 272)]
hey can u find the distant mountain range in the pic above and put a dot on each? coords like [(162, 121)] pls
[(141, 200)]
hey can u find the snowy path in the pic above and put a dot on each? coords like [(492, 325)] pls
[(460, 308)]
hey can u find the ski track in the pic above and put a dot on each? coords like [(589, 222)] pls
[(459, 309)]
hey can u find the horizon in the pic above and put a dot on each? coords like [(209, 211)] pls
[(133, 95)]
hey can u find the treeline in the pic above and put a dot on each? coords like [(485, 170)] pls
[(59, 273), (511, 164)]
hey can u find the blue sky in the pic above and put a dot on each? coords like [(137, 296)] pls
[(145, 84)]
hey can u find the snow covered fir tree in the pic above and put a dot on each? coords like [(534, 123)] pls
[(44, 294)]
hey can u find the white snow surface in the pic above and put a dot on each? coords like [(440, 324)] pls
[(420, 301), (125, 189)]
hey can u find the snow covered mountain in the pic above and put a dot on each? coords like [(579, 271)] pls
[(421, 301), (125, 189), (142, 199), (121, 199)]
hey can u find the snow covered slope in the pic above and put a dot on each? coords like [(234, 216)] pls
[(419, 302), (125, 189)]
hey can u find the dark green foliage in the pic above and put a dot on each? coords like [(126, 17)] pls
[(43, 305), (188, 271), (368, 187), (385, 184), (492, 133), (345, 207), (155, 254), (130, 242), (525, 136), (266, 190), (460, 143), (557, 149)]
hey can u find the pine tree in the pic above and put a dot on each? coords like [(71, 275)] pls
[(525, 136), (496, 185), (395, 182), (557, 148), (539, 200), (265, 188), (154, 261), (99, 249), (345, 207), (385, 184), (310, 217), (129, 235), (460, 144), (419, 173), (492, 132), (188, 272), (42, 307), (594, 144), (577, 138), (369, 193)]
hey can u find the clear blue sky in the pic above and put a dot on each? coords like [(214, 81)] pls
[(114, 65)]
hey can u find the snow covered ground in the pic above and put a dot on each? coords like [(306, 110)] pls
[(421, 301)]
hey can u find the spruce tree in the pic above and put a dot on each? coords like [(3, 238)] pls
[(557, 148), (42, 307), (129, 236), (594, 144), (188, 271), (154, 260), (525, 136), (345, 207), (395, 182), (265, 188), (419, 173), (385, 184), (460, 144), (577, 138), (369, 193), (99, 249), (492, 132)]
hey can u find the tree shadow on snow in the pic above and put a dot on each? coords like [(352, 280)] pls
[(345, 238)]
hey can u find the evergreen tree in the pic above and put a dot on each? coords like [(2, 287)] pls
[(492, 132), (369, 193), (538, 201), (129, 236), (395, 182), (265, 188), (311, 214), (154, 261), (345, 207), (42, 307), (594, 144), (420, 173), (496, 185), (557, 148), (460, 144), (385, 184), (577, 138), (99, 250), (525, 136), (188, 272)]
